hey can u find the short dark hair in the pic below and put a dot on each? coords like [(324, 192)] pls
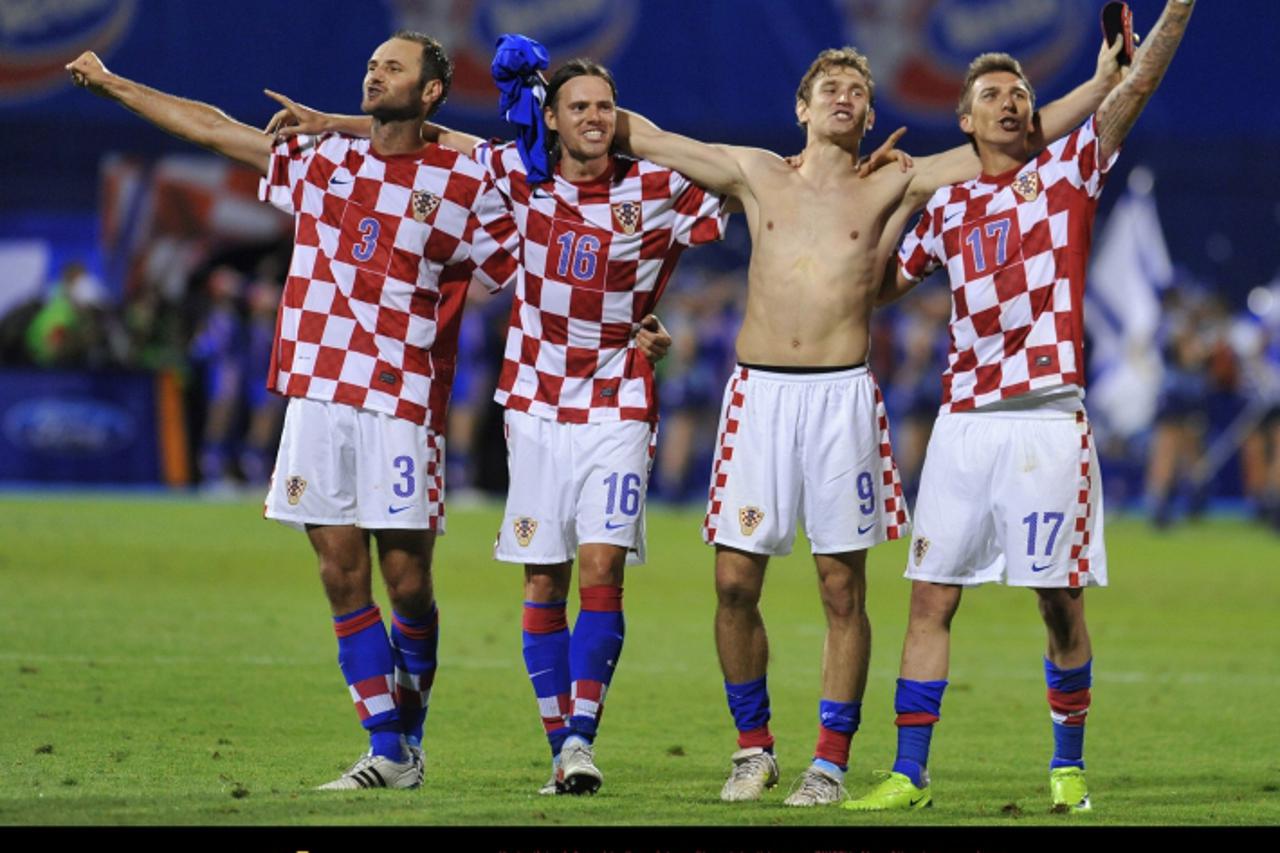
[(580, 67), (436, 64), (985, 64)]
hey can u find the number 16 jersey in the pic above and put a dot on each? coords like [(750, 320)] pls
[(594, 259)]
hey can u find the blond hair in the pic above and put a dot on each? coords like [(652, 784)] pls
[(836, 57)]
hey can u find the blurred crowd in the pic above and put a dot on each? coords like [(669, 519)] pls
[(1215, 434)]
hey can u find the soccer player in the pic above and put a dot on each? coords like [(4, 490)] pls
[(601, 235), (803, 433), (1010, 490), (388, 233)]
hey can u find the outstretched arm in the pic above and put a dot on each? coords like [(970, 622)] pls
[(1122, 107), (293, 118), (1055, 120), (205, 125), (717, 167)]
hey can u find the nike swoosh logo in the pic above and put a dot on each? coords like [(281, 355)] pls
[(395, 509), (609, 525), (335, 181), (1036, 568), (914, 803), (862, 530)]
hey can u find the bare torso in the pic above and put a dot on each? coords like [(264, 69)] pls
[(821, 237)]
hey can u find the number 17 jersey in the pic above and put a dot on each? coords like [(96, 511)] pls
[(1015, 247), (594, 259)]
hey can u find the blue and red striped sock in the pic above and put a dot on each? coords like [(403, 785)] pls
[(364, 655), (594, 649), (546, 658), (919, 706), (837, 722), (414, 644), (1069, 699), (749, 704)]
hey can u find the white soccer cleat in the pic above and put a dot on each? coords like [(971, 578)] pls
[(753, 771), (577, 762), (816, 787), (376, 771), (419, 756)]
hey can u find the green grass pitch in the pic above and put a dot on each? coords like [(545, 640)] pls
[(172, 662)]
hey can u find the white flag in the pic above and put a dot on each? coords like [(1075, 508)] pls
[(1130, 267)]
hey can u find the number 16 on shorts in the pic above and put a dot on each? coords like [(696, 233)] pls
[(622, 500)]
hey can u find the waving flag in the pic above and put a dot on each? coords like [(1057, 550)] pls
[(1130, 267)]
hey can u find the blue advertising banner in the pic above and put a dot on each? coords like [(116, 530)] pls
[(719, 68), (63, 427)]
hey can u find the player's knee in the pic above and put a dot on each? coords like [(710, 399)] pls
[(844, 596), (735, 593), (844, 604), (934, 605), (410, 592), (346, 586), (547, 583)]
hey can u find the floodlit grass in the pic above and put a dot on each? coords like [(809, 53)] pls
[(172, 662)]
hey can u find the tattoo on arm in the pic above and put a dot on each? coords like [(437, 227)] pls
[(1122, 107)]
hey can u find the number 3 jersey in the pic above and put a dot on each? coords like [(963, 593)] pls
[(384, 248), (595, 257), (1015, 248)]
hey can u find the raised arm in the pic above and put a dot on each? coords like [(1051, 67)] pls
[(1058, 118), (202, 124), (719, 168), (1054, 120), (1122, 107), (293, 118)]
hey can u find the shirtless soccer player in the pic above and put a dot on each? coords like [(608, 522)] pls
[(803, 432), (1011, 491), (388, 232)]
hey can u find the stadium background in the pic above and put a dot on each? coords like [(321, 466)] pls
[(157, 271), (167, 660)]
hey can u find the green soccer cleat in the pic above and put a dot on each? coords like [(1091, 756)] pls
[(895, 791), (1070, 793)]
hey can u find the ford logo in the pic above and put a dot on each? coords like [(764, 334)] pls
[(83, 427)]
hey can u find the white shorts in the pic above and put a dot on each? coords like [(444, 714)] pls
[(812, 447), (1010, 497), (571, 485), (341, 465)]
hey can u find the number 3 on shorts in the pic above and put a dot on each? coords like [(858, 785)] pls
[(405, 488)]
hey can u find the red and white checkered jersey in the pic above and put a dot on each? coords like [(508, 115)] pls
[(595, 259), (384, 248), (1015, 247)]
